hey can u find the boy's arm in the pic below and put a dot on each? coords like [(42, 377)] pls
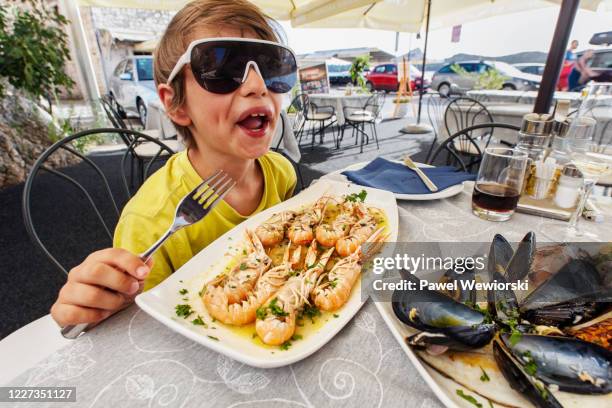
[(136, 234)]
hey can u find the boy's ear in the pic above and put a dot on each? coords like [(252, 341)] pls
[(178, 116)]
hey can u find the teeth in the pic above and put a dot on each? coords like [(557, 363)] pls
[(254, 115)]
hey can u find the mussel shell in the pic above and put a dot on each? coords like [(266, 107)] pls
[(459, 338), (520, 264), (500, 254), (431, 311), (564, 360), (577, 283), (520, 381)]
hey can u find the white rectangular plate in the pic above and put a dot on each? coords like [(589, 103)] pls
[(160, 301)]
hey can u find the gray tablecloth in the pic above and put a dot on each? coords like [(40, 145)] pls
[(131, 360)]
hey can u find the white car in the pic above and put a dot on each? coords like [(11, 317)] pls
[(132, 85), (535, 68)]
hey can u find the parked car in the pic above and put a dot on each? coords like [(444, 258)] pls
[(536, 68), (132, 85), (339, 74), (447, 81), (602, 64), (384, 77)]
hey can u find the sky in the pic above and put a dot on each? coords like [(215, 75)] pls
[(495, 36)]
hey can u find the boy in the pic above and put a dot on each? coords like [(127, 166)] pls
[(221, 85)]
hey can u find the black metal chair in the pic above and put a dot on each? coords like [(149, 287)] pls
[(143, 150), (436, 107), (309, 113), (358, 117), (473, 160), (91, 180), (464, 112)]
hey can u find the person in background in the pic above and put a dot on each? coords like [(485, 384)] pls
[(581, 73), (568, 65), (570, 54)]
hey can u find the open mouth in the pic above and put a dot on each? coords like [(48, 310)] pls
[(255, 122)]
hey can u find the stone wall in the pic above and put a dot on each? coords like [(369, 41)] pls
[(24, 135)]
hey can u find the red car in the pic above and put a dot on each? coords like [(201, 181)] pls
[(384, 77)]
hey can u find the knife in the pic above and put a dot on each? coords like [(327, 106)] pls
[(412, 165)]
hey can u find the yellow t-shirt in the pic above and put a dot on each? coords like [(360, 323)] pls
[(151, 211)]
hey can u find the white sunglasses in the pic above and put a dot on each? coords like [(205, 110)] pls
[(221, 65)]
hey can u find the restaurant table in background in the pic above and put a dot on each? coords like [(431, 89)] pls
[(525, 97), (133, 358), (339, 100)]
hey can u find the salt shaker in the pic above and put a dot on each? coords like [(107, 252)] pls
[(569, 187)]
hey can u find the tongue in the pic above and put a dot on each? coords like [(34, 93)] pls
[(252, 122)]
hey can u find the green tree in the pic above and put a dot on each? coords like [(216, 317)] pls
[(491, 78), (33, 50), (357, 67)]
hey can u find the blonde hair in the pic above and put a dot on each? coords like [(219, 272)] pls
[(240, 14)]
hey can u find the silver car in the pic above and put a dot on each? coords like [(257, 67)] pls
[(132, 85), (446, 81)]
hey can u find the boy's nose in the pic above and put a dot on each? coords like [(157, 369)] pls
[(254, 84)]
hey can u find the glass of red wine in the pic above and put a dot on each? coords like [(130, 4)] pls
[(499, 183)]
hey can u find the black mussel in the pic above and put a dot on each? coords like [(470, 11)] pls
[(568, 363), (573, 295), (502, 304), (500, 254), (444, 321), (527, 385), (519, 265), (460, 294)]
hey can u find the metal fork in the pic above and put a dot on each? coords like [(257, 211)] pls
[(192, 208)]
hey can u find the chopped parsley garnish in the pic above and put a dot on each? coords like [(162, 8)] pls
[(468, 398), (333, 283), (213, 337), (254, 335), (484, 377), (336, 315), (183, 311), (285, 346), (309, 311), (530, 365), (261, 313), (183, 291), (361, 196), (244, 252), (515, 337), (198, 321), (273, 308), (276, 310), (243, 266)]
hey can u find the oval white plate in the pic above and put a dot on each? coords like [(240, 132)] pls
[(448, 192), (160, 301)]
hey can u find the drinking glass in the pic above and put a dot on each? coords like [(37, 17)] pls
[(593, 159), (499, 183)]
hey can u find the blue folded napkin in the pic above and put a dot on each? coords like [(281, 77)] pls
[(398, 178)]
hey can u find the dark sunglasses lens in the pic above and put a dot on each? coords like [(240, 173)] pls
[(278, 68), (210, 63), (218, 66)]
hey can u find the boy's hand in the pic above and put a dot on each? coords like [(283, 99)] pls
[(101, 285)]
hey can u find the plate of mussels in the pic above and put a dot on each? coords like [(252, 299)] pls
[(548, 347)]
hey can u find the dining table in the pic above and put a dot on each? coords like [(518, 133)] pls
[(133, 360), (339, 100)]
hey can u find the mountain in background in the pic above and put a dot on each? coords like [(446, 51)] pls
[(528, 56)]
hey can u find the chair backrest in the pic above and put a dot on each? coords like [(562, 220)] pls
[(464, 112), (108, 104), (375, 103), (467, 162), (95, 185), (435, 106)]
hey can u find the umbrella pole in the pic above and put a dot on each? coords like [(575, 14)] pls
[(418, 127), (556, 56)]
